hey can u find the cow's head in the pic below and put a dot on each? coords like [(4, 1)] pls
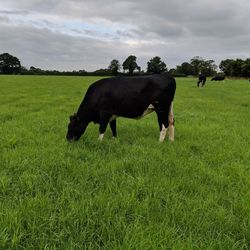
[(76, 128)]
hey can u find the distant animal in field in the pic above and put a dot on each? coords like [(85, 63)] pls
[(218, 78), (129, 97), (201, 80)]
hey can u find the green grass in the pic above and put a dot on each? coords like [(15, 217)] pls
[(125, 193)]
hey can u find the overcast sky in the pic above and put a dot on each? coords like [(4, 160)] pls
[(88, 34)]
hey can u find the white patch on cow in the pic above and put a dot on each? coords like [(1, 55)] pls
[(112, 118), (101, 136), (163, 133), (171, 123), (149, 110)]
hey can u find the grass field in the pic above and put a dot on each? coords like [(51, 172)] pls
[(126, 193)]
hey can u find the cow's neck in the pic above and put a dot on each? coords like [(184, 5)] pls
[(84, 114)]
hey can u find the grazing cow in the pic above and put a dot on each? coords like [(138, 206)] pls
[(202, 79), (130, 97), (218, 78)]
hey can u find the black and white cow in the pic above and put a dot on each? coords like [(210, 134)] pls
[(202, 79), (130, 97), (218, 78)]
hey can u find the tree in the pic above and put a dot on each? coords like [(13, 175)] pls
[(196, 63), (196, 66), (226, 66), (9, 64), (102, 72), (199, 64), (130, 64), (156, 65), (245, 69), (208, 67), (185, 68), (114, 66), (236, 67)]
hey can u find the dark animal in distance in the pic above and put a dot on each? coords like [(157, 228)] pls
[(129, 97), (202, 79), (218, 78)]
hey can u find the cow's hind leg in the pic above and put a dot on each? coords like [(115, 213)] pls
[(163, 124), (113, 127), (166, 121), (171, 122), (203, 82)]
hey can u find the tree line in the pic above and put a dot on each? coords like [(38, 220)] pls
[(10, 64)]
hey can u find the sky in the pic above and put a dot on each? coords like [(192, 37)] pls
[(88, 34)]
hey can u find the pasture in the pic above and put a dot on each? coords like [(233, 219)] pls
[(126, 193)]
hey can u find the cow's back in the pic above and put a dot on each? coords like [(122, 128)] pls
[(130, 96)]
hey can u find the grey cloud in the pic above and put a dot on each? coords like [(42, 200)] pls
[(14, 12), (167, 18), (163, 18), (4, 19), (46, 49), (176, 30)]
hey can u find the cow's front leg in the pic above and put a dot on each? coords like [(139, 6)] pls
[(104, 120), (113, 127)]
